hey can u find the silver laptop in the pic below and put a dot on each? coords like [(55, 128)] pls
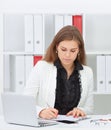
[(21, 109)]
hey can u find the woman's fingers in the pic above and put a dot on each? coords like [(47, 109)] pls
[(76, 112), (49, 113)]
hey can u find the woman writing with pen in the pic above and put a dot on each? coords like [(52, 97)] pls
[(61, 82)]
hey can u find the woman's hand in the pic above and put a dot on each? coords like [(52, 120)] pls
[(76, 112), (48, 113)]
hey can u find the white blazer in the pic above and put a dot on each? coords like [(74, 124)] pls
[(42, 85)]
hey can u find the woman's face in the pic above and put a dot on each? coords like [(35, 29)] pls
[(67, 52)]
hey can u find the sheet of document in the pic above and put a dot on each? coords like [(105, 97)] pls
[(71, 118)]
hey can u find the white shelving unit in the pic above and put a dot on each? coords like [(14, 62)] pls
[(23, 39), (25, 33), (98, 43), (26, 36)]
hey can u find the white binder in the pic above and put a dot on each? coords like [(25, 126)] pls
[(13, 32), (38, 34), (19, 73), (28, 23), (28, 66), (7, 73), (67, 20), (59, 22), (108, 73), (101, 74)]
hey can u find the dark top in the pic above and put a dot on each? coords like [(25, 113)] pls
[(68, 91)]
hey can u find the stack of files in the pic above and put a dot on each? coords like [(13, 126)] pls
[(19, 73), (34, 33), (101, 73), (63, 20), (108, 73), (104, 73), (77, 21), (23, 68)]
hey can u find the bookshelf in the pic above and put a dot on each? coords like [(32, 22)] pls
[(23, 34), (97, 44), (26, 37)]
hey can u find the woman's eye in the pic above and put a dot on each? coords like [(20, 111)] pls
[(63, 50), (70, 50), (73, 51)]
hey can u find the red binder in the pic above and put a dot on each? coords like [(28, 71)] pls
[(77, 21), (36, 59)]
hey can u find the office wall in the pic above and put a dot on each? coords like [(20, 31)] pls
[(50, 6)]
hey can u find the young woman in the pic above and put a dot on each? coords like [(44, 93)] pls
[(61, 82)]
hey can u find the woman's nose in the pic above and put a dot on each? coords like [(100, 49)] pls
[(67, 53)]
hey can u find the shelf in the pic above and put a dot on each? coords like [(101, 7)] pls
[(28, 53), (101, 93), (98, 53), (20, 53)]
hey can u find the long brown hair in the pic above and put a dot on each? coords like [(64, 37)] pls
[(66, 33)]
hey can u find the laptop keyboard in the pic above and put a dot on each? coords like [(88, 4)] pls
[(44, 123)]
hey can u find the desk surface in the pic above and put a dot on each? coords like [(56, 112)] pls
[(81, 124)]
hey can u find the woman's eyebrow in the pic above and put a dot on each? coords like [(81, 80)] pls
[(71, 48)]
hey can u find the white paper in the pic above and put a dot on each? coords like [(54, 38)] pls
[(70, 118)]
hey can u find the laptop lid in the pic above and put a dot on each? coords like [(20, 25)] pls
[(21, 109)]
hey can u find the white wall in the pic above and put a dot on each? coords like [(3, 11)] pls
[(50, 6)]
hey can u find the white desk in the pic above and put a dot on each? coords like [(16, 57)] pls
[(81, 125)]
